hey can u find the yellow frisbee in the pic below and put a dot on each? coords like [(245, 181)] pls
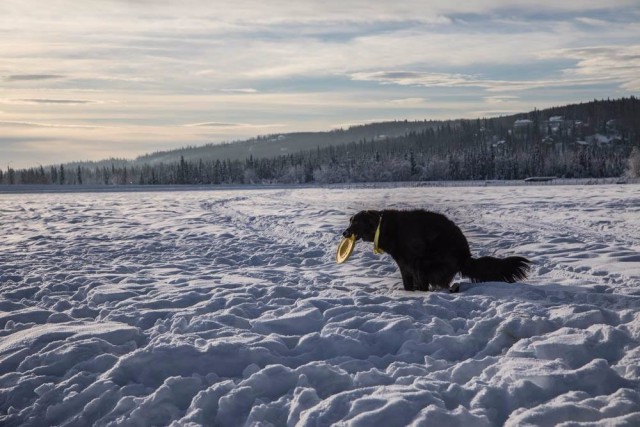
[(345, 248)]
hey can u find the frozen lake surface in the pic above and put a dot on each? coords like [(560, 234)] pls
[(227, 308)]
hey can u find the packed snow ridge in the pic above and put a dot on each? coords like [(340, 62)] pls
[(226, 308)]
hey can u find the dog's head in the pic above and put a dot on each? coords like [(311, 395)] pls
[(363, 225)]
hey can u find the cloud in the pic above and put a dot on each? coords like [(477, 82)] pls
[(26, 124), (501, 99), (31, 77), (427, 79), (239, 90), (50, 101), (618, 63), (214, 125), (188, 12), (409, 102), (231, 125), (417, 78), (298, 65), (593, 22)]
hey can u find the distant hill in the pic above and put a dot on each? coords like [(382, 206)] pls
[(587, 140), (288, 143), (595, 112)]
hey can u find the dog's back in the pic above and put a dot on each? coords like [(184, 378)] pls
[(427, 232)]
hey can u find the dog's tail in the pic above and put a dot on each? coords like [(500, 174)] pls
[(490, 269)]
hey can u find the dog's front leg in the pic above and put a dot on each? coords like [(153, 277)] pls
[(407, 278), (421, 282)]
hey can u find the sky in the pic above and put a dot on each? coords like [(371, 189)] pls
[(95, 79)]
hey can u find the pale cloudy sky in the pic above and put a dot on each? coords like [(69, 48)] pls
[(91, 79)]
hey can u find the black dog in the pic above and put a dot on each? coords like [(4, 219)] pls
[(430, 249)]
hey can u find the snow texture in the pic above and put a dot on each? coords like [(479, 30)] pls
[(227, 308)]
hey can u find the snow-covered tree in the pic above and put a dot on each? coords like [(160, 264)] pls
[(633, 164)]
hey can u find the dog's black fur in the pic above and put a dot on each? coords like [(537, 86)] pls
[(430, 249)]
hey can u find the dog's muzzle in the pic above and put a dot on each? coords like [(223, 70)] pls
[(348, 233)]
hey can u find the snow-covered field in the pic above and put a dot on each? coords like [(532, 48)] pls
[(227, 308)]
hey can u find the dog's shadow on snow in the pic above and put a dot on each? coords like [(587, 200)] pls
[(521, 291)]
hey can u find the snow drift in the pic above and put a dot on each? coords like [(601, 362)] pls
[(227, 308)]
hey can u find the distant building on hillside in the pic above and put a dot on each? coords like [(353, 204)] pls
[(598, 139), (522, 123), (556, 129), (522, 127)]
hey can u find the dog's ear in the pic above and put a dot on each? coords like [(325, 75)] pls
[(371, 217), (373, 214), (367, 217)]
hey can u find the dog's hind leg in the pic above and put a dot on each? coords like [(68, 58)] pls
[(441, 276)]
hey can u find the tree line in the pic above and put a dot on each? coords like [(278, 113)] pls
[(482, 149)]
